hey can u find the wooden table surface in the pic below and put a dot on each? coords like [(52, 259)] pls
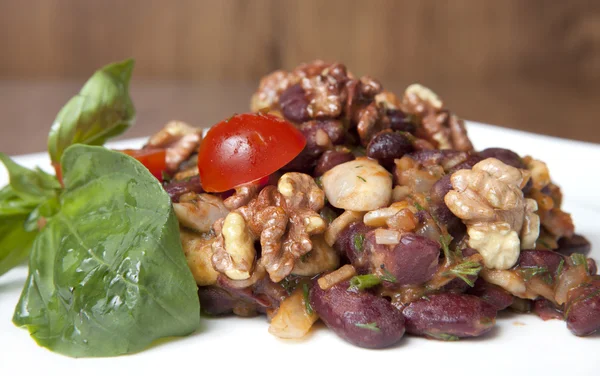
[(27, 108)]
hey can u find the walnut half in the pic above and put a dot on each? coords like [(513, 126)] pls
[(490, 202)]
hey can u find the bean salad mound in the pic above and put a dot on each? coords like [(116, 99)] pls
[(337, 200)]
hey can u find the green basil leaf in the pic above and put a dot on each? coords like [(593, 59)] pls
[(31, 194), (30, 185), (11, 204), (101, 110), (107, 274), (15, 242)]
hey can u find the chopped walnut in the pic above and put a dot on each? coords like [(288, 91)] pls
[(540, 175), (242, 196), (370, 122), (446, 131), (233, 249), (500, 221), (420, 100), (199, 211), (387, 100), (284, 219), (179, 139), (269, 89), (325, 92)]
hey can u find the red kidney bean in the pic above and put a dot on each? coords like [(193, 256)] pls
[(330, 159), (216, 301), (582, 311), (496, 296), (307, 159), (574, 244), (550, 260), (176, 189), (592, 267), (447, 316), (399, 121), (412, 261), (468, 164), (440, 211), (350, 244), (294, 104), (387, 146), (546, 310), (358, 317), (457, 285), (509, 157), (521, 305)]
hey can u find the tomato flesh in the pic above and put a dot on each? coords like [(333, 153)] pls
[(246, 148), (154, 160)]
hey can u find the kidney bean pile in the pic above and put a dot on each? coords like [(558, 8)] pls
[(395, 256)]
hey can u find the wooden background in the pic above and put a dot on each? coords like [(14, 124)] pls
[(528, 64)]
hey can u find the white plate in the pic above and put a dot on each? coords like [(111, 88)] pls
[(520, 344)]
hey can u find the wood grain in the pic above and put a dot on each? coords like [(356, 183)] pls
[(532, 64)]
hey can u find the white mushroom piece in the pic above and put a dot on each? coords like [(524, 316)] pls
[(500, 221), (359, 185)]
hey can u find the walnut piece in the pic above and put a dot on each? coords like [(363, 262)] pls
[(359, 185), (284, 218), (233, 250), (499, 220), (180, 140), (446, 131), (540, 175), (420, 100), (269, 89), (242, 196)]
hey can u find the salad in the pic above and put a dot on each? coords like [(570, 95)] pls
[(331, 200)]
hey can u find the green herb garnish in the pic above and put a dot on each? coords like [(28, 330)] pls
[(388, 277), (307, 305), (358, 241), (445, 240), (371, 326), (361, 178), (579, 259), (365, 281), (560, 268), (418, 206), (464, 270), (442, 336), (529, 272)]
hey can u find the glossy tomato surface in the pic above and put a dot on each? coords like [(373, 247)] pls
[(245, 148), (154, 160)]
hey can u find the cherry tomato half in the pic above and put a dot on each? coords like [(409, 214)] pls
[(245, 148), (153, 159)]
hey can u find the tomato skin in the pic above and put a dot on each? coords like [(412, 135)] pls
[(245, 148), (154, 160)]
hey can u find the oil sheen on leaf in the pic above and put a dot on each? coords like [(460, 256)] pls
[(107, 274)]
